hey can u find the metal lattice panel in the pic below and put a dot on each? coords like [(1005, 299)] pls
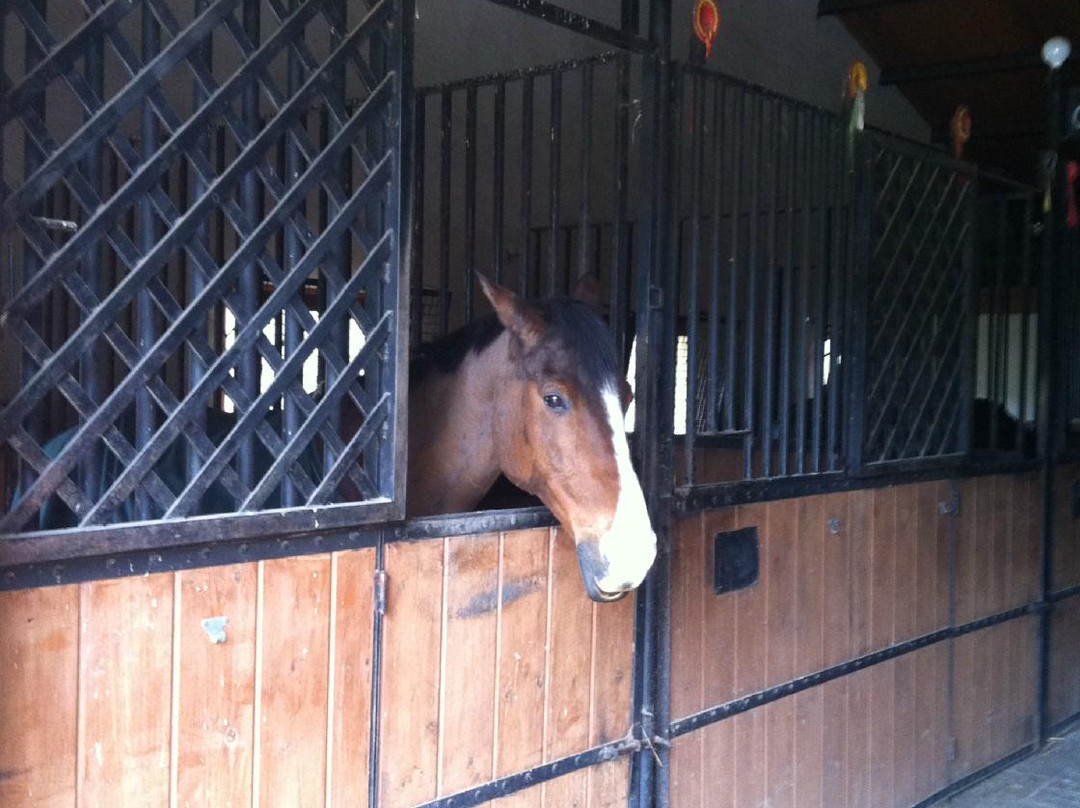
[(919, 294), (229, 256)]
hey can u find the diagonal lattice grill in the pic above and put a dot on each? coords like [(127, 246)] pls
[(202, 214), (918, 294)]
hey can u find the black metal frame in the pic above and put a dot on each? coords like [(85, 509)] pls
[(137, 548)]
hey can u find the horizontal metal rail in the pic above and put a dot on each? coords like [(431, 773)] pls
[(579, 24)]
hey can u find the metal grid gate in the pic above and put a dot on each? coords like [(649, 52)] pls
[(232, 284)]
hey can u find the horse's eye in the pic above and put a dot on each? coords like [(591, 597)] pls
[(555, 402)]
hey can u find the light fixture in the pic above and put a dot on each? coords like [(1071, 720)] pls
[(1055, 51)]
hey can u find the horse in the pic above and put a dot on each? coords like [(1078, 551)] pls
[(533, 392)]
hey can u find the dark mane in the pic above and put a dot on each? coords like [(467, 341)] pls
[(574, 324), (585, 335), (445, 355)]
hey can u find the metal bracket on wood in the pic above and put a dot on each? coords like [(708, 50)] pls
[(380, 591)]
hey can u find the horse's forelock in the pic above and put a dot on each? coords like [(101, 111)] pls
[(582, 333)]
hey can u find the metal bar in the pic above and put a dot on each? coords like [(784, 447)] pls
[(859, 190), (579, 24), (750, 332), (817, 324), (697, 112), (525, 206), (554, 180), (804, 293), (1025, 319), (775, 146), (716, 148), (737, 122), (445, 145), (620, 256), (912, 220), (147, 332), (836, 296), (505, 76), (586, 169), (498, 192), (630, 16), (830, 7), (470, 200), (784, 409), (416, 259), (375, 713), (711, 715)]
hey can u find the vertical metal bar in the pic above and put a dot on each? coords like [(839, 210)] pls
[(817, 326), (586, 168), (620, 257), (751, 304), (969, 276), (375, 714), (1000, 314), (526, 180), (775, 145), (292, 254), (738, 114), (498, 181), (697, 137), (804, 157), (554, 176), (248, 299), (1025, 321), (784, 408), (716, 148), (445, 144), (416, 260), (631, 16), (470, 198), (836, 287), (147, 333), (859, 186), (91, 368)]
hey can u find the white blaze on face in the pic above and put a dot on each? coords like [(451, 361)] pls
[(629, 547)]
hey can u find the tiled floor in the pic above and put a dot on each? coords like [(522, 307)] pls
[(1049, 779)]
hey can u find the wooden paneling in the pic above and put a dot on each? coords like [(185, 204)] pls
[(216, 688), (1064, 684), (39, 632), (1066, 530)]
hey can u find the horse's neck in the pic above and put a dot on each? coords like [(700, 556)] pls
[(456, 422)]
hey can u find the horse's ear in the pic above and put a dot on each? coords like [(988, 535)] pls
[(589, 290), (519, 318)]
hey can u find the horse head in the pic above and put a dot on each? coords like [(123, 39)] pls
[(561, 435)]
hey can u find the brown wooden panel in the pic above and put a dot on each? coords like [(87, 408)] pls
[(882, 714), (751, 613), (904, 743), (905, 571), (411, 651), (522, 657), (39, 635), (883, 568), (1001, 521), (836, 580), (778, 543), (809, 753), (751, 749), (351, 661), (1024, 564), (294, 634), (568, 682), (1066, 530), (611, 698), (216, 715), (929, 722), (718, 685), (947, 539), (964, 706), (926, 559), (861, 532), (125, 688), (688, 599), (834, 793), (967, 535), (467, 713), (780, 751), (1064, 685), (809, 581), (986, 535), (858, 739)]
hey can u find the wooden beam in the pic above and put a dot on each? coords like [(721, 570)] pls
[(829, 8), (1010, 63)]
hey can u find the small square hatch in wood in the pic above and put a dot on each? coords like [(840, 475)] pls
[(735, 560)]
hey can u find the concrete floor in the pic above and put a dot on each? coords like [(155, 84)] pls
[(1049, 779)]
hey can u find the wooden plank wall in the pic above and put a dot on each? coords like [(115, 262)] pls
[(1064, 681), (494, 661), (843, 575)]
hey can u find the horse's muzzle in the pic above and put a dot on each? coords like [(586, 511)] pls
[(593, 568)]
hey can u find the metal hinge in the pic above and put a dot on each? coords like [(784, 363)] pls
[(380, 591), (951, 506)]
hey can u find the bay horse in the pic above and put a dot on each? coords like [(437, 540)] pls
[(533, 392)]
